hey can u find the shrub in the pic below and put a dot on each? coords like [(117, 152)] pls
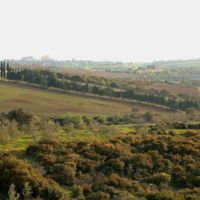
[(77, 192), (160, 178)]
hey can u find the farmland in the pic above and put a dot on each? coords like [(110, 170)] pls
[(105, 74), (175, 88), (49, 102), (44, 102)]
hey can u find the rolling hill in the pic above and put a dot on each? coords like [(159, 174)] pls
[(51, 102)]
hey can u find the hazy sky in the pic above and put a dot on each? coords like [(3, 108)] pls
[(128, 30)]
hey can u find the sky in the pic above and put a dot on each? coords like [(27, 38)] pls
[(117, 30)]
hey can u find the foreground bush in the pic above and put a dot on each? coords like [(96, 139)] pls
[(18, 172), (150, 166)]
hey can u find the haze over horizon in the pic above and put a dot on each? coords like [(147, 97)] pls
[(115, 30)]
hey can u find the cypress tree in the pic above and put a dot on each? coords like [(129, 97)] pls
[(8, 67), (1, 69), (4, 69)]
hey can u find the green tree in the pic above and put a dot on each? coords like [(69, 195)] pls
[(148, 117)]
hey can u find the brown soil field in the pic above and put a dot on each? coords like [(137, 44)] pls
[(175, 88), (98, 73)]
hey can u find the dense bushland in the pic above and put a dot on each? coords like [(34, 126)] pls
[(135, 166)]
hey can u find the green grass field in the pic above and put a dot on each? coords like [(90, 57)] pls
[(22, 141), (48, 102)]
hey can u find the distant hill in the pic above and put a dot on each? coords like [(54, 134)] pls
[(177, 63)]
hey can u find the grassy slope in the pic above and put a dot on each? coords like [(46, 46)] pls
[(48, 102), (45, 102)]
